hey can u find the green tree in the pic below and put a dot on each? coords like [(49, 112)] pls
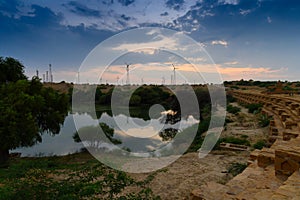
[(27, 110), (11, 70)]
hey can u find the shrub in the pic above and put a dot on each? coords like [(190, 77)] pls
[(263, 120), (236, 168), (253, 107), (259, 144), (230, 98), (233, 109), (244, 136)]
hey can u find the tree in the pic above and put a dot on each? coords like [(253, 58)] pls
[(27, 110), (11, 70)]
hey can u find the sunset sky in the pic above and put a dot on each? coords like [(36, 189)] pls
[(249, 39)]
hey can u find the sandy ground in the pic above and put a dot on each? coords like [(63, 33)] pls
[(189, 172)]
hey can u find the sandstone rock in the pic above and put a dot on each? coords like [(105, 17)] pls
[(287, 159), (265, 157)]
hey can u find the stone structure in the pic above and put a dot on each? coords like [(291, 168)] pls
[(272, 173)]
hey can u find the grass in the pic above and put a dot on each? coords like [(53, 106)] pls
[(78, 176)]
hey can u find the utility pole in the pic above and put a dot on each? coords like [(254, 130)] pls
[(47, 76), (50, 74)]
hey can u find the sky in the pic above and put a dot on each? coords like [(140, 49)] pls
[(239, 39)]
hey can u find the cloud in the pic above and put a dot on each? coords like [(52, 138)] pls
[(126, 18), (245, 12), (160, 42), (231, 2), (126, 2), (164, 14), (82, 9), (260, 73), (231, 63), (220, 42), (269, 20), (175, 4)]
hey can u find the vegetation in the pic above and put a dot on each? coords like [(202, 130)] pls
[(260, 144), (67, 178), (254, 107), (233, 109), (263, 120), (230, 98), (11, 70), (236, 168), (27, 108), (232, 140)]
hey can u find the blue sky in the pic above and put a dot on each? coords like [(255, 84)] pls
[(257, 39)]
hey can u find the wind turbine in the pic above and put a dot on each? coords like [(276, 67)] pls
[(117, 80), (127, 75), (174, 76)]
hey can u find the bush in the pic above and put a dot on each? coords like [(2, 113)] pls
[(230, 98), (236, 168), (259, 144), (263, 120), (254, 107), (233, 109)]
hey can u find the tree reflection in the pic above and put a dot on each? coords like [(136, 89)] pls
[(168, 134)]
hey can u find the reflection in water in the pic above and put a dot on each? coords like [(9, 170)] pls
[(141, 135), (137, 134)]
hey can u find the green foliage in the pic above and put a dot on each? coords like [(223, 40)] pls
[(27, 108), (151, 95), (252, 108), (244, 136), (135, 100), (236, 168), (263, 120), (233, 109), (234, 87), (230, 98), (61, 178), (259, 144), (11, 70), (288, 88)]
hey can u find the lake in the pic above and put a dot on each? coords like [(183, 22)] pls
[(137, 132)]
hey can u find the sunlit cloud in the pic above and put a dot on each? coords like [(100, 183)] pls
[(231, 63), (236, 73), (220, 42), (160, 42)]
